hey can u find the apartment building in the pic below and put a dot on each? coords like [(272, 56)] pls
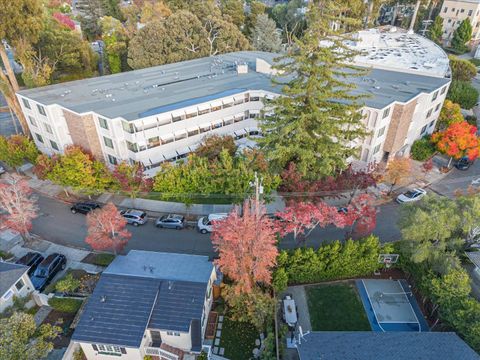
[(162, 113), (454, 12)]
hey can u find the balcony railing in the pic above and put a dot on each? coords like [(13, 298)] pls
[(154, 351)]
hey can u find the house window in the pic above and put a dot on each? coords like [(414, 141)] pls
[(386, 112), (39, 137), (423, 129), (112, 159), (131, 146), (108, 142), (435, 95), (443, 90), (19, 284), (26, 103), (54, 145), (8, 295), (32, 121), (109, 349), (48, 128), (173, 333), (103, 123), (376, 149), (429, 113), (41, 110), (381, 132)]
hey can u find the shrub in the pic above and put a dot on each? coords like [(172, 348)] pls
[(330, 262), (462, 70), (67, 305), (463, 93), (422, 149), (67, 284), (475, 62)]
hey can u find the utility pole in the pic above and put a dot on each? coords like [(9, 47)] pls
[(258, 184), (414, 17)]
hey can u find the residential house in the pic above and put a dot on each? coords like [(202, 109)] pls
[(355, 345), (148, 303), (162, 113), (14, 282)]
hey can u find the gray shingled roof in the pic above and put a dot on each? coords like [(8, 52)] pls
[(9, 275), (388, 345), (143, 290), (132, 93)]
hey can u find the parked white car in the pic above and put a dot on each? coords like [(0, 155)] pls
[(205, 224), (2, 170), (411, 196)]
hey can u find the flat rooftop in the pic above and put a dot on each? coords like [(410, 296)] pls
[(392, 48), (140, 93)]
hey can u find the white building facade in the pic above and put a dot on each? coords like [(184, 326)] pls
[(165, 114)]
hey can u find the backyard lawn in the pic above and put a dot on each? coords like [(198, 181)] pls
[(336, 308), (238, 339)]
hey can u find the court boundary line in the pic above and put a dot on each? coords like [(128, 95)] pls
[(411, 307), (371, 305)]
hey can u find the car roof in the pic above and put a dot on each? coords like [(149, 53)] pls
[(175, 216), (49, 259), (217, 216), (419, 190), (28, 257), (134, 212)]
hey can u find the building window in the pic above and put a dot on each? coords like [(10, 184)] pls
[(227, 105), (103, 123), (26, 103), (443, 90), (173, 333), (19, 284), (8, 295), (470, 12), (255, 98), (386, 112), (203, 112), (429, 113), (48, 128), (437, 107), (381, 132), (193, 132), (191, 115), (131, 146), (128, 127), (153, 142), (108, 142), (431, 123), (462, 11), (54, 145), (435, 95), (205, 128), (41, 110), (178, 118), (376, 149), (216, 108), (32, 121), (112, 159), (238, 101), (449, 21), (39, 137), (180, 135), (423, 129), (453, 9)]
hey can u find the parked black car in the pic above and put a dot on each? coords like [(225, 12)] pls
[(31, 259), (463, 164), (47, 270), (84, 207)]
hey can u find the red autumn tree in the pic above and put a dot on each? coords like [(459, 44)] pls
[(107, 229), (19, 207), (351, 180), (64, 20), (458, 140), (364, 213), (132, 179), (302, 218), (247, 246)]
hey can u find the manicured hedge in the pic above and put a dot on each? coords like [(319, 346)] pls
[(422, 149), (67, 305), (330, 262)]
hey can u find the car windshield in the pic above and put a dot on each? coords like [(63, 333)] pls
[(205, 220), (142, 215), (410, 194), (163, 218), (41, 272)]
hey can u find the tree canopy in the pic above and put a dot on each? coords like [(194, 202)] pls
[(458, 140), (265, 36), (463, 93), (462, 70), (462, 35), (451, 113)]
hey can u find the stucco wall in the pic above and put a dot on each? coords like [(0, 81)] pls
[(27, 289)]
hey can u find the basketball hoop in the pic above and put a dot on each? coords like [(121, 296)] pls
[(387, 262)]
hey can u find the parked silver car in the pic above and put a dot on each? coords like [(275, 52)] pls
[(134, 217), (171, 221)]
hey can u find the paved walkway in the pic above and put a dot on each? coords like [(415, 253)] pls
[(299, 295), (42, 314)]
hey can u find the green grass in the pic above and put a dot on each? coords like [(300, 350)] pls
[(336, 308), (238, 339), (5, 255), (67, 305), (103, 259)]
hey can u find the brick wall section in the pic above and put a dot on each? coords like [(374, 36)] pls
[(84, 133), (402, 116)]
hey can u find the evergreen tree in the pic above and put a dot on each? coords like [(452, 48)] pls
[(265, 36), (462, 36), (435, 32), (316, 121)]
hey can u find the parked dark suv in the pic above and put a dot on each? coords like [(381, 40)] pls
[(47, 270), (84, 207), (31, 259)]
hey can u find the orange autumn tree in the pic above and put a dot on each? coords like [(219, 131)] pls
[(457, 141)]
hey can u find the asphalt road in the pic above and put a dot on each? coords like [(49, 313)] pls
[(57, 224)]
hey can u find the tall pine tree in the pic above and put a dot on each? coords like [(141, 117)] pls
[(436, 30), (462, 35), (317, 120)]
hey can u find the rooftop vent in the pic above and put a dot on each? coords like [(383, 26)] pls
[(103, 298), (242, 69), (170, 285)]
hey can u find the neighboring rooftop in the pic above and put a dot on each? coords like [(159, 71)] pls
[(140, 93), (145, 290), (392, 48), (9, 275), (378, 345)]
